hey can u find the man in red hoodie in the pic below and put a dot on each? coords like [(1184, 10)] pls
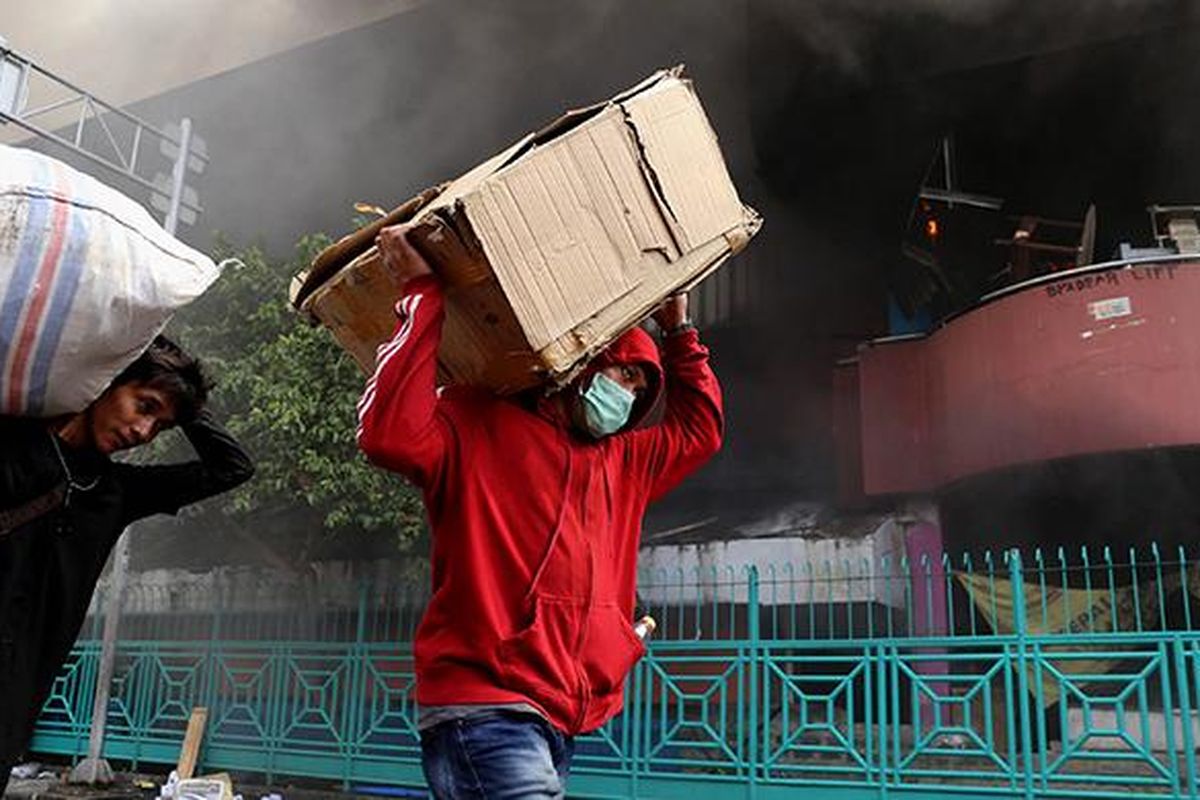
[(536, 506)]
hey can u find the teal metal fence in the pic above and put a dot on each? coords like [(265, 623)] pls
[(1060, 674)]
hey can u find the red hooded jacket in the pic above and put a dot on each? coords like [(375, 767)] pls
[(535, 528)]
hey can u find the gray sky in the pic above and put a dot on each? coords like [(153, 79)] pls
[(126, 50)]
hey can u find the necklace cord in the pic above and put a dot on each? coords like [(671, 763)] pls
[(71, 484)]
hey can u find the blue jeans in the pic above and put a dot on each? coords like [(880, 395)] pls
[(496, 755)]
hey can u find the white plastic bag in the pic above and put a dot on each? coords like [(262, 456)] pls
[(87, 279)]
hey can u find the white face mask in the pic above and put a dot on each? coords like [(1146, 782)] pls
[(606, 406)]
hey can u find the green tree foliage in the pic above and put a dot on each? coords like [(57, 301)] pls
[(288, 393)]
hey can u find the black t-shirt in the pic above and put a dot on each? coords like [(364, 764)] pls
[(49, 565)]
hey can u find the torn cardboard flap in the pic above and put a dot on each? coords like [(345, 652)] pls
[(554, 247), (333, 258)]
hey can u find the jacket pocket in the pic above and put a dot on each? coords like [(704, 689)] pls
[(610, 649), (540, 657)]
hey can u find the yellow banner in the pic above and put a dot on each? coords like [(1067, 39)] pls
[(1067, 611)]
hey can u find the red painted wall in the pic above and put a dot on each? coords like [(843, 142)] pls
[(1095, 360)]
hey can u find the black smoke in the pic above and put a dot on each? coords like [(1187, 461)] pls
[(828, 113)]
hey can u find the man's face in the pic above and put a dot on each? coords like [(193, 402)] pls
[(630, 377), (129, 415)]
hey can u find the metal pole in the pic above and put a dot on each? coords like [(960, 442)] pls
[(94, 768), (948, 164), (753, 620), (177, 175), (1021, 628)]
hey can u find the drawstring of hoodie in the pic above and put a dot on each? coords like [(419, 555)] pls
[(558, 525)]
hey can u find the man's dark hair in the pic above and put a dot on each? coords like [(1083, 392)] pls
[(166, 367)]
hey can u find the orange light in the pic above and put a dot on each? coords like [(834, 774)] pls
[(931, 228)]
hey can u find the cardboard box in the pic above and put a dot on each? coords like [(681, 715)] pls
[(554, 247)]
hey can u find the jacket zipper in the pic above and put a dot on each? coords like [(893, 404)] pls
[(584, 686)]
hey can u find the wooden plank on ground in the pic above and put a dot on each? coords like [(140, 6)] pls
[(191, 743)]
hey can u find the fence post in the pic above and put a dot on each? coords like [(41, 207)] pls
[(357, 700), (1185, 673), (1020, 628), (213, 692), (95, 768), (1184, 670), (753, 613)]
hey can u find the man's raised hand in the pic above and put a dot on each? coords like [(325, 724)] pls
[(399, 256)]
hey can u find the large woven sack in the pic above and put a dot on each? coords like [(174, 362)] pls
[(87, 279)]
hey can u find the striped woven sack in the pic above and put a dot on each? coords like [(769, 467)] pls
[(87, 279)]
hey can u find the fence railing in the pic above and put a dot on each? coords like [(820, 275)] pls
[(1057, 673)]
